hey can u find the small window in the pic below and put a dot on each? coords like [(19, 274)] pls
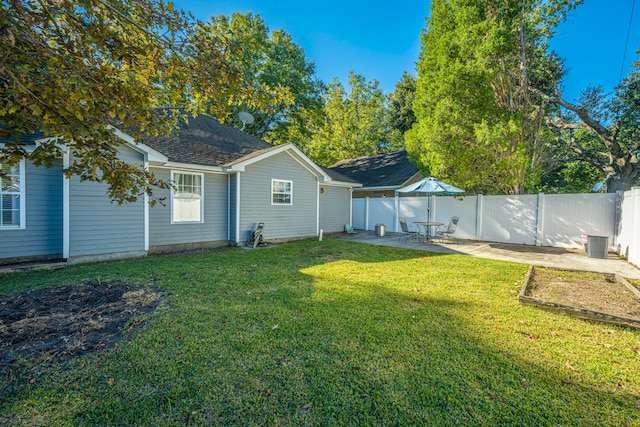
[(186, 197), (281, 192), (12, 195)]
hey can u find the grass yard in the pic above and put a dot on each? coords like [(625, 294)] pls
[(331, 333)]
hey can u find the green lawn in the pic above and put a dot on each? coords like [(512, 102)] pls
[(332, 333)]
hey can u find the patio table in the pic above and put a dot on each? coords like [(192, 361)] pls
[(427, 228)]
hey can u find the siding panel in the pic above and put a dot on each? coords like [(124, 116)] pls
[(214, 227), (281, 221), (335, 205), (99, 227), (42, 236)]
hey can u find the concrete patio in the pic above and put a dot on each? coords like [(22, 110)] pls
[(573, 259)]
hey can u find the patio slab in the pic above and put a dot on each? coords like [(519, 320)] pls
[(543, 256)]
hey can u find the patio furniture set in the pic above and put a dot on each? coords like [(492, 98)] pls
[(428, 231)]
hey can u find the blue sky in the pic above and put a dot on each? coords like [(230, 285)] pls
[(381, 39)]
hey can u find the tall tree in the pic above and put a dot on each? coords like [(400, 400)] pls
[(274, 60), (604, 133), (477, 123), (355, 122), (69, 68), (400, 113)]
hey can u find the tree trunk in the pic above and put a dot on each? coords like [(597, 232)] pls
[(619, 182)]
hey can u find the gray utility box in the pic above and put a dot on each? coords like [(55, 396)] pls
[(380, 229), (597, 246)]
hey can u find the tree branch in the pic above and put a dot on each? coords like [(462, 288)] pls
[(610, 141), (582, 153)]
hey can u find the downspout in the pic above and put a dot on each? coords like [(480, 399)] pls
[(65, 206), (146, 210), (229, 208), (318, 207), (237, 207), (351, 206)]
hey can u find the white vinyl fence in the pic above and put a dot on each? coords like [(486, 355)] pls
[(558, 220), (629, 226)]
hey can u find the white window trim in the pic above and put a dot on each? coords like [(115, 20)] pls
[(173, 173), (23, 198), (290, 194)]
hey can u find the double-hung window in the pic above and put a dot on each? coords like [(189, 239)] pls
[(12, 196), (281, 192), (186, 197)]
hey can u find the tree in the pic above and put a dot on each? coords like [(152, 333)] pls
[(400, 108), (274, 60), (603, 133), (354, 125), (70, 68), (477, 124)]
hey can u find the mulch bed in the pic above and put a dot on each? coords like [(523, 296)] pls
[(63, 322)]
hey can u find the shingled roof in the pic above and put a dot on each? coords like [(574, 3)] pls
[(381, 170), (203, 140)]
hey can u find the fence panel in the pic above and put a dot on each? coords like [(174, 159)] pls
[(465, 208), (358, 213), (382, 210), (566, 217), (509, 219), (629, 226)]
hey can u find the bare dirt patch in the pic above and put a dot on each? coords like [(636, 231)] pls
[(69, 321), (585, 292)]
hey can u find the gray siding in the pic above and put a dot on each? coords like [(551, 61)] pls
[(42, 236), (281, 221), (335, 206), (99, 227), (215, 212)]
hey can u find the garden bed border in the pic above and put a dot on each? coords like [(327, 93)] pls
[(582, 313)]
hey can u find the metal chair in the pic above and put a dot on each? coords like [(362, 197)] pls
[(448, 232), (406, 232)]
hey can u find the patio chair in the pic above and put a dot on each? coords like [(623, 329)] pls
[(447, 233), (407, 233)]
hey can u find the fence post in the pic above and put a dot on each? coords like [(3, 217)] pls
[(366, 213), (397, 213), (479, 217), (540, 220)]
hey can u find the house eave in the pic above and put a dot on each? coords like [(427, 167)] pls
[(240, 164)]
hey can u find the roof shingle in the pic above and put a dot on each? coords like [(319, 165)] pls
[(381, 170), (203, 140)]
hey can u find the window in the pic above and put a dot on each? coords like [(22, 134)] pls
[(12, 196), (186, 197), (281, 192)]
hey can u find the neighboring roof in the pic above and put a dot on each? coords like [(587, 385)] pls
[(24, 139), (203, 140), (337, 176), (381, 170)]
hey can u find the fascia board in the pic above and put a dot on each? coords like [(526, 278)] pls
[(151, 155), (190, 166), (289, 147), (342, 184)]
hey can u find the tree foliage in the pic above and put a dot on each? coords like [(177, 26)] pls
[(68, 68), (275, 61), (478, 125), (602, 132), (354, 123), (400, 115)]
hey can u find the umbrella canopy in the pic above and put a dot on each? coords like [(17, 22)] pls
[(430, 185)]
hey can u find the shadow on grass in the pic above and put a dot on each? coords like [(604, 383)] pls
[(309, 334)]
